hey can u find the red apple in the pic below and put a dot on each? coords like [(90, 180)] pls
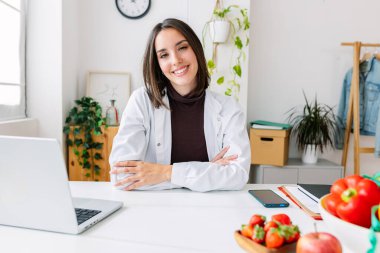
[(318, 242)]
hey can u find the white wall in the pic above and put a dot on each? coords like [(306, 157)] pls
[(66, 39), (296, 46), (44, 66), (110, 42), (70, 57)]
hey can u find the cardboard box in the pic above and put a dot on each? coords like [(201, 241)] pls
[(270, 147)]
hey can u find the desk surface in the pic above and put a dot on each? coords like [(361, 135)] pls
[(156, 221)]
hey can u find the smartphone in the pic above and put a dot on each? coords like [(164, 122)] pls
[(269, 198)]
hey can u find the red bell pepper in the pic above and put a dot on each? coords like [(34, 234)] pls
[(352, 198), (332, 201)]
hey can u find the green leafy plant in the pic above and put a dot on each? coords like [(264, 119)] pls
[(316, 125), (239, 36), (85, 120)]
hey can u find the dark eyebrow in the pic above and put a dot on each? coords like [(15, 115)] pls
[(178, 43)]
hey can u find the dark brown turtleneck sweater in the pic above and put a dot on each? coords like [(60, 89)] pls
[(187, 116)]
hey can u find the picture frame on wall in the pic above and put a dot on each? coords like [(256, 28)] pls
[(104, 86)]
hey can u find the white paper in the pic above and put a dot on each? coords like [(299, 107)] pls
[(303, 198)]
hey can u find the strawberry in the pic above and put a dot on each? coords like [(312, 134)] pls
[(270, 224), (293, 238), (257, 219), (282, 218), (274, 239), (291, 233), (258, 234), (247, 231)]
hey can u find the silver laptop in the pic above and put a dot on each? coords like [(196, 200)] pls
[(34, 189)]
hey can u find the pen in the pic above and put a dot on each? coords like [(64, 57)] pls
[(307, 195)]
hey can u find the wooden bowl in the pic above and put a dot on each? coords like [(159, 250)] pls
[(252, 247)]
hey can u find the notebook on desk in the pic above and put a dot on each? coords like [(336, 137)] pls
[(317, 190), (304, 200), (35, 193)]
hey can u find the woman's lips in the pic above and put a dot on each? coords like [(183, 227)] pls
[(181, 71)]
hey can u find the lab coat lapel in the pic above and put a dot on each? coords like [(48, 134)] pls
[(212, 125), (162, 128)]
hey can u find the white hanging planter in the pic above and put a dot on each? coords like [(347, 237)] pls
[(310, 154), (219, 31)]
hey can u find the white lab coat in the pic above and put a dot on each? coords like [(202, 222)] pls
[(145, 134)]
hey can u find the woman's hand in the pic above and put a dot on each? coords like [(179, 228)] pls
[(220, 159), (142, 173)]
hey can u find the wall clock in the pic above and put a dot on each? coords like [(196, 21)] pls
[(133, 8)]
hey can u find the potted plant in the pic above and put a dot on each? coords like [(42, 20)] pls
[(228, 25), (85, 121), (219, 25), (314, 128)]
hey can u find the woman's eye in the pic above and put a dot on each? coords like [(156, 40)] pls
[(162, 56), (182, 48)]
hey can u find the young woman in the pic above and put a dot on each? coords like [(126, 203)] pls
[(174, 132)]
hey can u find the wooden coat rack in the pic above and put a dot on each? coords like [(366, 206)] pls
[(353, 110)]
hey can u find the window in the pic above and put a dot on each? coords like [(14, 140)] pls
[(12, 59)]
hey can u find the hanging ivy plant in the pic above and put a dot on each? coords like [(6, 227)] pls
[(84, 121), (239, 36)]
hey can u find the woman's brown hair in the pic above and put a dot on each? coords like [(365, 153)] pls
[(155, 81)]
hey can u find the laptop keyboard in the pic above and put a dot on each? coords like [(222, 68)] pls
[(85, 214)]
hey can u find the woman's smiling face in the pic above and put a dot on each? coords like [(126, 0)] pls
[(177, 60)]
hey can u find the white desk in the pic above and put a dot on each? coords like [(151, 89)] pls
[(159, 221)]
